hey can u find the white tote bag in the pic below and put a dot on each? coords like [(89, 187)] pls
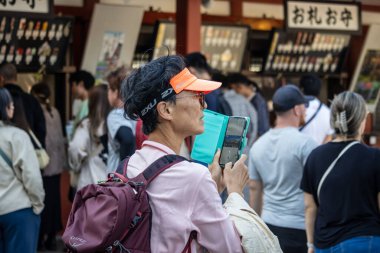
[(256, 236)]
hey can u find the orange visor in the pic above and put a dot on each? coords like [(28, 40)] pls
[(184, 80)]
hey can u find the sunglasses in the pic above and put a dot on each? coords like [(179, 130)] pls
[(201, 98)]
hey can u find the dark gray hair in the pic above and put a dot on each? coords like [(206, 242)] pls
[(348, 110), (145, 83), (5, 102)]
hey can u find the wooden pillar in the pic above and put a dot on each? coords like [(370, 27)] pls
[(236, 9), (188, 26)]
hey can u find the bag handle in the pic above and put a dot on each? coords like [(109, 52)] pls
[(35, 139), (121, 171), (329, 169)]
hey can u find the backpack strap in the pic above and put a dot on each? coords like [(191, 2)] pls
[(193, 236), (160, 165), (122, 167), (121, 171)]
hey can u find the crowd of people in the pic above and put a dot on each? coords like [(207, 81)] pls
[(307, 174)]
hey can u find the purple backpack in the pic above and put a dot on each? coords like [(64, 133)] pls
[(115, 215)]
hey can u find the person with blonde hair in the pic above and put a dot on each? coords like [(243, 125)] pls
[(341, 184)]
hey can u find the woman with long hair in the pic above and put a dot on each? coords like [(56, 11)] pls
[(51, 175), (21, 191), (341, 182), (88, 148)]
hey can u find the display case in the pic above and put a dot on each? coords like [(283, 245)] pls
[(306, 52), (32, 43), (223, 45)]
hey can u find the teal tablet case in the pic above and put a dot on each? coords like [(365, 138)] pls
[(207, 143)]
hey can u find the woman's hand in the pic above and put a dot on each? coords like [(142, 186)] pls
[(216, 172), (236, 177), (310, 250)]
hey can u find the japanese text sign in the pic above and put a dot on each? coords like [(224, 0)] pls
[(26, 6), (323, 16)]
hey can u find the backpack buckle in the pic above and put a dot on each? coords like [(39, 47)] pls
[(113, 178), (121, 247), (136, 219), (136, 184), (136, 187)]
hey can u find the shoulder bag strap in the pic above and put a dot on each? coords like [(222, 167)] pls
[(6, 158), (35, 139), (312, 117), (121, 171), (329, 169), (122, 167)]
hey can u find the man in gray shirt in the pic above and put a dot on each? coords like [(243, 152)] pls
[(275, 165)]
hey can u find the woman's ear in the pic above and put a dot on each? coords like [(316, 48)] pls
[(165, 110)]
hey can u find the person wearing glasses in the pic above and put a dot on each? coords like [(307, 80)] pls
[(170, 101)]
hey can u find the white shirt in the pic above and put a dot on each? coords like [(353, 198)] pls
[(319, 127)]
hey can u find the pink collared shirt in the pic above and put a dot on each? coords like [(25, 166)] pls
[(184, 198)]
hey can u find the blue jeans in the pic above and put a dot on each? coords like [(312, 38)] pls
[(19, 231), (362, 244)]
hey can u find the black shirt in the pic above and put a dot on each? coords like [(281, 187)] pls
[(348, 196)]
